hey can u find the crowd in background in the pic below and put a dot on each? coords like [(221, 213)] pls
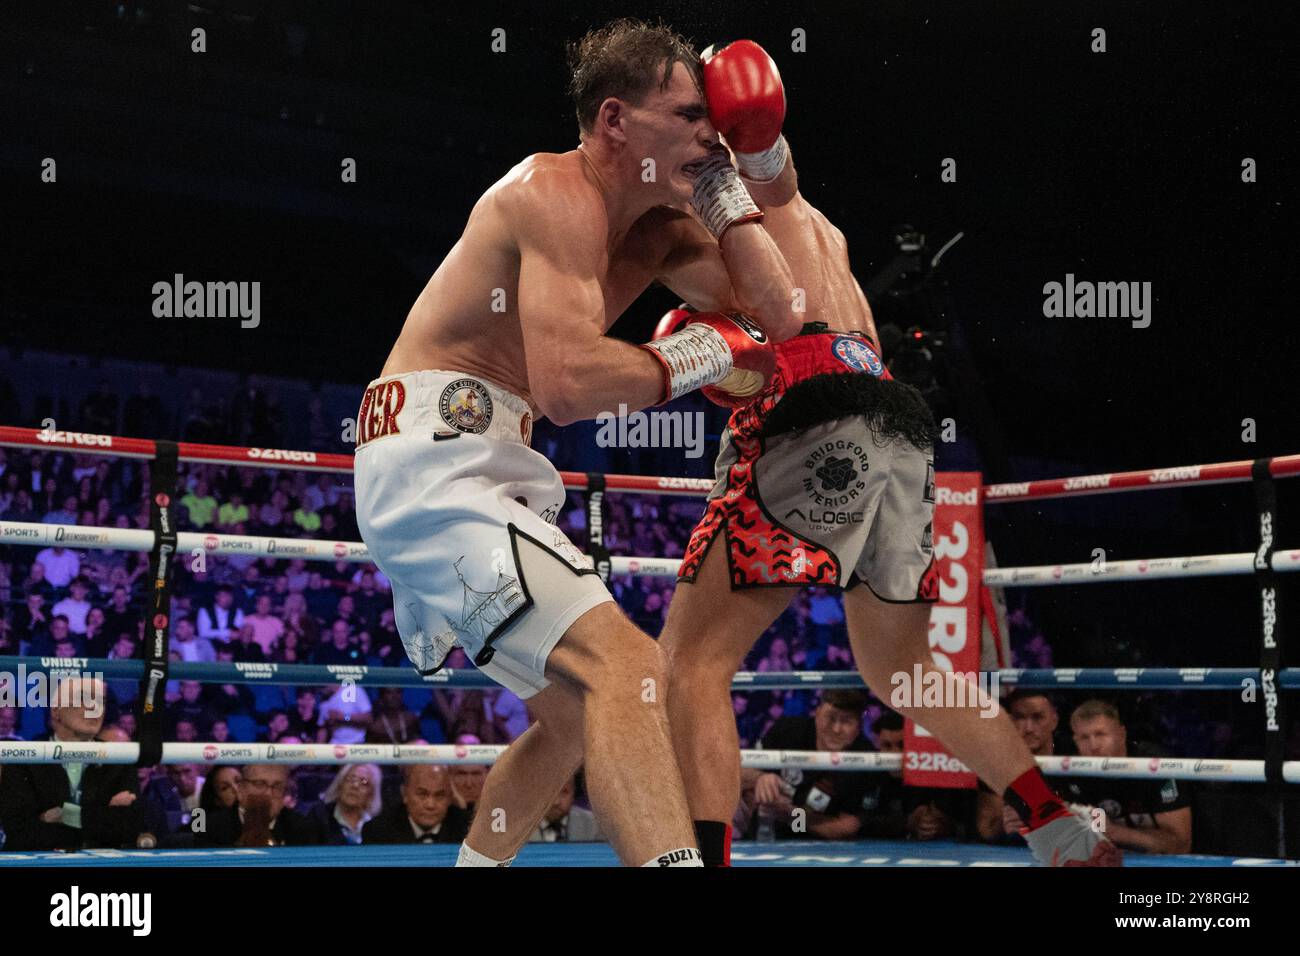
[(58, 602)]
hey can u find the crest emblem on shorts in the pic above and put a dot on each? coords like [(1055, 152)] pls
[(466, 406), (857, 355)]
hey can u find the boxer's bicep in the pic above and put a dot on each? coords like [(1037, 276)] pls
[(561, 304), (694, 269)]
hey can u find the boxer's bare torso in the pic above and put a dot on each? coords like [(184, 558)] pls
[(467, 318)]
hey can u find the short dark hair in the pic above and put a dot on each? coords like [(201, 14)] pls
[(622, 59), (854, 701), (889, 720), (1027, 693)]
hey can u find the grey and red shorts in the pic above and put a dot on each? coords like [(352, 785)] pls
[(827, 478)]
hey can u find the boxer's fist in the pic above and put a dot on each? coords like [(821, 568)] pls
[(726, 354), (753, 359), (672, 321), (744, 94)]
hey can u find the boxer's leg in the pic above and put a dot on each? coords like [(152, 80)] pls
[(632, 777), (709, 630), (524, 781), (889, 639)]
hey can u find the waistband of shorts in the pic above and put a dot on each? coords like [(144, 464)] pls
[(825, 352), (433, 403)]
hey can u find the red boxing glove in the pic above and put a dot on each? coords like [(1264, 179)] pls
[(726, 351), (673, 320), (747, 106)]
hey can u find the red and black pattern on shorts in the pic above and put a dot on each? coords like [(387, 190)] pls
[(759, 554)]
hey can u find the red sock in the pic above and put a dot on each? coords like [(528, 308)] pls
[(1033, 800)]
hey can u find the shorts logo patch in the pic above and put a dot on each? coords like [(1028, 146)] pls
[(836, 473), (466, 406), (834, 479), (857, 355)]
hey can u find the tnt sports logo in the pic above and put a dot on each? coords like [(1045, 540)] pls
[(466, 406), (857, 355), (161, 500), (210, 752), (340, 550)]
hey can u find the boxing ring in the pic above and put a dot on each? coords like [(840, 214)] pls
[(1273, 771)]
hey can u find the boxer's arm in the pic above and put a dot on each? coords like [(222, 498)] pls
[(574, 371), (744, 273), (779, 191)]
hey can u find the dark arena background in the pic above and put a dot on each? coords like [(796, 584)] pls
[(972, 154)]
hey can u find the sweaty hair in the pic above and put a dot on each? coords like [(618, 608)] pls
[(622, 59)]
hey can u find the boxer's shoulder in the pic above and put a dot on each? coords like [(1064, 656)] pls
[(548, 195)]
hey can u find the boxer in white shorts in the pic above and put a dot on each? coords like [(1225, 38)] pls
[(455, 507), (466, 441)]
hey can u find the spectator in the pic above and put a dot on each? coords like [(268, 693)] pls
[(65, 515), (322, 601), (192, 708), (119, 617), (31, 620), (96, 638), (220, 622), (70, 805), (246, 649), (189, 645), (48, 643), (387, 642), (220, 790), (168, 804), (467, 779), (231, 513), (425, 815), (200, 505), (20, 508), (305, 721), (306, 520), (1150, 815), (369, 601), (392, 723), (1036, 719), (298, 623), (469, 711), (830, 802), (59, 566), (267, 628), (565, 823), (260, 816), (322, 493), (9, 723), (75, 607), (346, 715), (340, 649), (350, 802)]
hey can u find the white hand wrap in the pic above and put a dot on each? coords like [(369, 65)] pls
[(721, 199), (696, 356), (765, 166)]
